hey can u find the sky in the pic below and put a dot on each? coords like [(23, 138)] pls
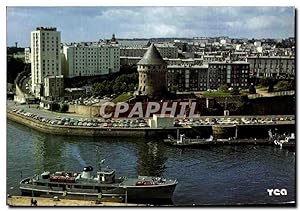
[(93, 23)]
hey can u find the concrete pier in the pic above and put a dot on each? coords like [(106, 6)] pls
[(24, 201)]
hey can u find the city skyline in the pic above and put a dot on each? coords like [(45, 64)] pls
[(79, 23)]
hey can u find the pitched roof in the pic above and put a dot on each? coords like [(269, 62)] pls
[(152, 57)]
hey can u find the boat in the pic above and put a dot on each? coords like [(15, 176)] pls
[(183, 141), (104, 184), (285, 141)]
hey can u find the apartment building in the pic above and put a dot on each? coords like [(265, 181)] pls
[(27, 55), (233, 74), (165, 50), (54, 86), (280, 67), (45, 56), (91, 60), (187, 78)]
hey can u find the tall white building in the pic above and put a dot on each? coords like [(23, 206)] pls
[(45, 56), (90, 60), (27, 55)]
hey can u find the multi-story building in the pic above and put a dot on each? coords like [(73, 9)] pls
[(165, 50), (184, 62), (27, 55), (280, 67), (187, 78), (45, 57), (54, 86), (233, 74), (90, 60), (212, 58), (131, 61), (132, 51)]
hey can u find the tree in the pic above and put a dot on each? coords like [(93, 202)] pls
[(14, 67), (292, 85), (64, 108), (55, 107), (271, 88), (119, 85), (223, 88), (235, 91), (282, 86), (252, 89)]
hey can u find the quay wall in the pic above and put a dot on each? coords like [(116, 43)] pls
[(90, 131), (243, 131)]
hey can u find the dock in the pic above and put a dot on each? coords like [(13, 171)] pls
[(219, 142), (24, 201)]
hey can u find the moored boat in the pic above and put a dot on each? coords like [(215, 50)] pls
[(286, 141), (183, 141), (104, 184)]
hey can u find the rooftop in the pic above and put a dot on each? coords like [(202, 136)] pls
[(46, 28), (271, 57), (152, 57), (204, 66), (133, 43), (228, 62)]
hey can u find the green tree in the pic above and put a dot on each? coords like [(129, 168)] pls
[(252, 89), (14, 67), (64, 108), (223, 88), (271, 88), (235, 91), (292, 85), (283, 86), (55, 107)]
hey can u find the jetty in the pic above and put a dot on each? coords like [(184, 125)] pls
[(25, 201)]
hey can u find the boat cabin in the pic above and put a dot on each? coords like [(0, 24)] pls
[(106, 176)]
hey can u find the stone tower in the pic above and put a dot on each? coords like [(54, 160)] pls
[(152, 71)]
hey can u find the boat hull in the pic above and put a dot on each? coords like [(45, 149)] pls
[(129, 192), (150, 192)]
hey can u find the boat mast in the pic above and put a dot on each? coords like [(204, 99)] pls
[(101, 162)]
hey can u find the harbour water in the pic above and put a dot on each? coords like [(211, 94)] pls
[(212, 176)]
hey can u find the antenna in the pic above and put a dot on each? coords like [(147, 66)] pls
[(101, 162)]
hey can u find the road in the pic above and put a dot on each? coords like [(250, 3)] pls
[(35, 109)]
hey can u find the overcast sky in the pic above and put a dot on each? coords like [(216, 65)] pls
[(94, 23)]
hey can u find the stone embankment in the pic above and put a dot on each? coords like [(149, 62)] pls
[(88, 131)]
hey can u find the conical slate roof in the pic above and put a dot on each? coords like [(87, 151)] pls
[(152, 57)]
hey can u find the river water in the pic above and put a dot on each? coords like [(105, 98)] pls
[(214, 176)]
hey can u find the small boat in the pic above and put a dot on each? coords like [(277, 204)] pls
[(104, 184), (183, 141), (285, 141)]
